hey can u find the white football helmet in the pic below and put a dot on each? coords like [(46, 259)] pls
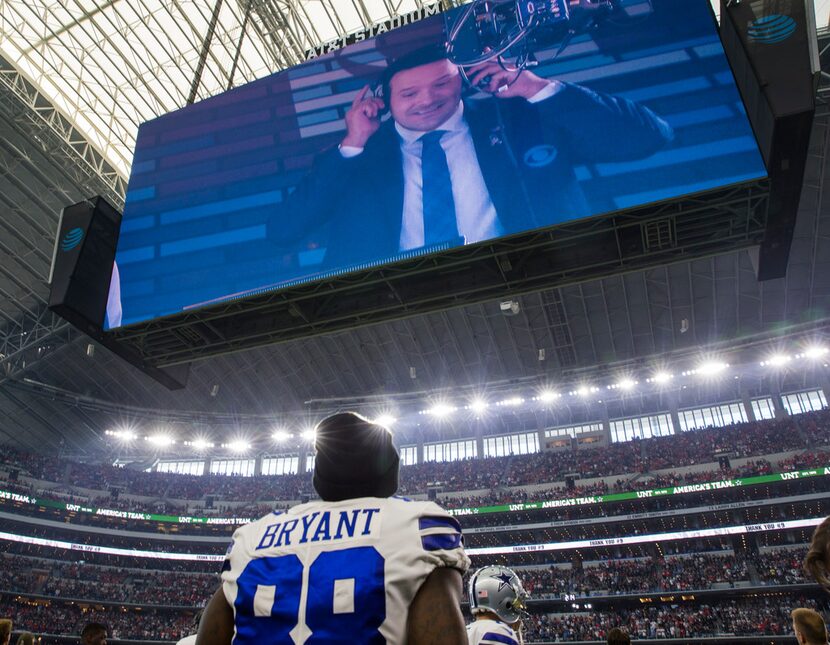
[(498, 590)]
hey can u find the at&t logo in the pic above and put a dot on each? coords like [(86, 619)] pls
[(72, 239), (771, 29)]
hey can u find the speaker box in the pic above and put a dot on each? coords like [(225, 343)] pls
[(772, 49), (82, 263), (82, 269)]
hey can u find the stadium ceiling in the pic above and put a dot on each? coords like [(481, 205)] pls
[(112, 64), (76, 79)]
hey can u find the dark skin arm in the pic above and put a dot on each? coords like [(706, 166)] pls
[(435, 614), (216, 626)]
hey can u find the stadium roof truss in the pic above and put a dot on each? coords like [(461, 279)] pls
[(76, 79), (112, 64)]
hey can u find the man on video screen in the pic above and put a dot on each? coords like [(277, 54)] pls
[(448, 170)]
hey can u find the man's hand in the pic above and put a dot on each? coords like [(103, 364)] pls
[(362, 119), (505, 82)]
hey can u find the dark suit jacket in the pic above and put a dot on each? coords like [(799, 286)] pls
[(362, 197)]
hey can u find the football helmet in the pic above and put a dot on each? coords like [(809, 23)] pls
[(498, 590)]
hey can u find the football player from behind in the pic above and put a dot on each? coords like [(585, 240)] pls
[(497, 603), (357, 566)]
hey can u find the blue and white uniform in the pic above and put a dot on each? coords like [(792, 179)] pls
[(491, 632), (336, 572)]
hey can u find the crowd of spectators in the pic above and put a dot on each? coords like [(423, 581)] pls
[(781, 566), (49, 585), (517, 496), (745, 617), (96, 477), (466, 475), (681, 573), (686, 572), (702, 571), (750, 469), (743, 494), (86, 582), (814, 427), (740, 617), (623, 460), (55, 617)]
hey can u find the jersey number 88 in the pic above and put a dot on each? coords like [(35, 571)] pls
[(355, 576)]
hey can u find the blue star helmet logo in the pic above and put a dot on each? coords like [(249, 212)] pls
[(504, 580)]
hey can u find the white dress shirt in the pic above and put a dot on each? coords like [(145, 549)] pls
[(474, 211), (476, 216)]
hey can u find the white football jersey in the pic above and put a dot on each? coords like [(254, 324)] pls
[(336, 572), (491, 632), (188, 640)]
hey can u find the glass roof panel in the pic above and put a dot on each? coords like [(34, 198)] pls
[(109, 65)]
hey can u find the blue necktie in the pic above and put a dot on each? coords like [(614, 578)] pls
[(439, 206)]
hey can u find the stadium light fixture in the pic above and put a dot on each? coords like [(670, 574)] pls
[(200, 444), (122, 435), (710, 368), (237, 445), (281, 436), (160, 440), (308, 434), (585, 390), (814, 352), (441, 410), (776, 360), (661, 378), (478, 406), (512, 402), (547, 396), (626, 384)]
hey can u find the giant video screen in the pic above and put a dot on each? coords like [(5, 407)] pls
[(486, 121)]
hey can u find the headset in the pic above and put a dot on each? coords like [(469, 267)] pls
[(486, 30), (377, 91)]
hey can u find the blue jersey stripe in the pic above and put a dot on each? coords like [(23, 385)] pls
[(432, 522), (440, 541), (494, 637)]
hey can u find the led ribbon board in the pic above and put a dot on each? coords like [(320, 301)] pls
[(503, 508), (109, 550), (519, 548), (642, 494), (654, 537), (124, 515)]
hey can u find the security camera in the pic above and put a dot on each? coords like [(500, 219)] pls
[(509, 307)]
